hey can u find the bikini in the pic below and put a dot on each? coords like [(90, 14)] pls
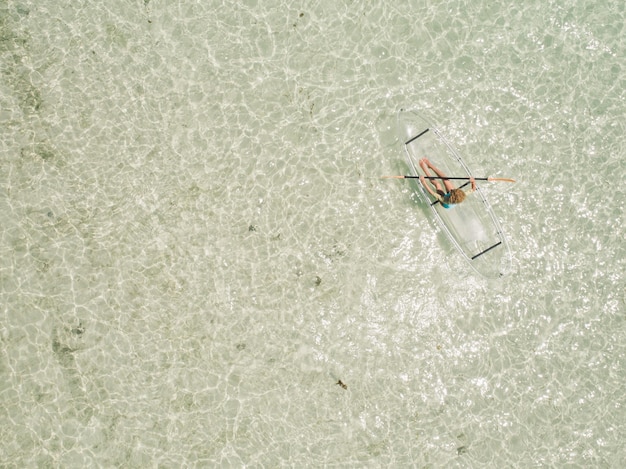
[(445, 205)]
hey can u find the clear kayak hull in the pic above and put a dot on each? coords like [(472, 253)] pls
[(472, 225)]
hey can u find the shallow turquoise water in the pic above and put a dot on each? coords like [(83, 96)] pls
[(197, 245)]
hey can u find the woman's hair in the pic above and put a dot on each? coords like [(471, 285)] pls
[(456, 196)]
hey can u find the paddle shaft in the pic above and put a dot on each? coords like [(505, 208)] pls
[(437, 177), (452, 178)]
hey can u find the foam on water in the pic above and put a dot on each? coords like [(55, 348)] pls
[(196, 245)]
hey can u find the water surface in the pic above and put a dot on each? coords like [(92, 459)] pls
[(197, 246)]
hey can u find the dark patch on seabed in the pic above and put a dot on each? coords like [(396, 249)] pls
[(66, 341), (38, 150), (13, 52)]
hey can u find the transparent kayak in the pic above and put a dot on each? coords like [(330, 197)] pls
[(472, 225)]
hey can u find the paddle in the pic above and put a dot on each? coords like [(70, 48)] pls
[(463, 178)]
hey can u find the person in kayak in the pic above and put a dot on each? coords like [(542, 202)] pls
[(451, 195)]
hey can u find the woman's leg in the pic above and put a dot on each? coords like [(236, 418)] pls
[(448, 184), (424, 163)]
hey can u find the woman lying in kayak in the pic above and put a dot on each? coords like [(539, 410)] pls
[(452, 195)]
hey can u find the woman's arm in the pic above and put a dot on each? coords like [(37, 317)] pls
[(473, 181)]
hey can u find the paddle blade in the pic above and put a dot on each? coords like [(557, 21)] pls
[(500, 179)]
